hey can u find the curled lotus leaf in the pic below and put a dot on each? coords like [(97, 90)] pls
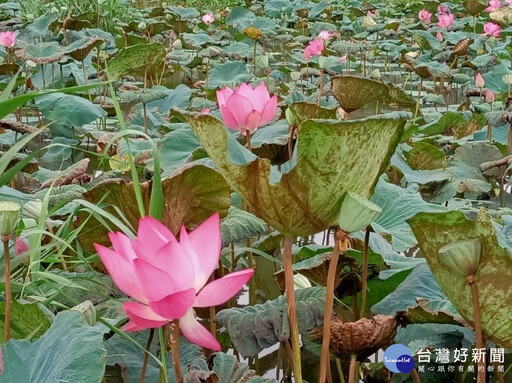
[(362, 338), (330, 158), (435, 230), (42, 53), (307, 110), (354, 92), (81, 48)]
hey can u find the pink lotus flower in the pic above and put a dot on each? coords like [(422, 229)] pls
[(20, 247), (439, 37), (208, 18), (314, 48), (425, 16), (325, 35), (246, 109), (168, 278), (7, 39), (491, 29), (479, 81), (493, 6), (205, 111), (442, 9), (343, 58), (445, 20), (489, 96), (369, 13)]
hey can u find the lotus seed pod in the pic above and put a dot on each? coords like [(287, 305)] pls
[(356, 212), (461, 257), (9, 216), (290, 117)]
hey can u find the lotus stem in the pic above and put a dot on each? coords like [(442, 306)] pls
[(364, 286), (292, 310), (254, 56), (163, 352), (329, 302), (509, 140), (175, 349), (43, 76), (499, 375), (418, 101), (145, 118), (8, 295), (252, 285), (352, 369), (478, 326), (415, 376), (248, 140), (292, 130), (321, 87), (340, 370), (146, 356)]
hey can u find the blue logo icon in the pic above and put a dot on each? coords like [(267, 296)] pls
[(398, 358)]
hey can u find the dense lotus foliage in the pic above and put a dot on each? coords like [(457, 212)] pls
[(255, 191)]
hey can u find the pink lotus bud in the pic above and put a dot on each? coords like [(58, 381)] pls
[(7, 39), (343, 58), (325, 35), (489, 96), (494, 5), (20, 247), (479, 81), (439, 37)]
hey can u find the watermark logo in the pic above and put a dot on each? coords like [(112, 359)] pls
[(398, 358)]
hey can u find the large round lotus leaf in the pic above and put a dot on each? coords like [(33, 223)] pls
[(474, 7), (42, 53), (136, 59), (435, 230), (331, 157), (190, 197), (307, 110), (81, 48), (355, 92)]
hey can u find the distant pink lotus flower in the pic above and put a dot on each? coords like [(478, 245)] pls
[(168, 278), (494, 5), (246, 109), (343, 58), (20, 247), (208, 18), (7, 39), (425, 16), (442, 9), (205, 111), (314, 48), (491, 29), (369, 13), (489, 96), (445, 20), (377, 13), (172, 34), (479, 81), (439, 37), (325, 35)]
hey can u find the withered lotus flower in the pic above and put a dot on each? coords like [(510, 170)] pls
[(361, 338)]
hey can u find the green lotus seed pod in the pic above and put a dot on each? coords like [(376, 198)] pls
[(461, 257), (356, 212), (9, 215), (507, 79), (290, 117)]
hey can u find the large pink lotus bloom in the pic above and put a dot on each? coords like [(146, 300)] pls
[(425, 16), (314, 48), (494, 5), (208, 18), (479, 81), (489, 96), (168, 278), (7, 39), (246, 109), (491, 29), (325, 35), (445, 20)]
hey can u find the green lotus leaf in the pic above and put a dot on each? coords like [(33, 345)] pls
[(41, 53), (81, 48), (435, 230), (137, 59), (330, 157), (304, 110), (191, 195), (355, 92)]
